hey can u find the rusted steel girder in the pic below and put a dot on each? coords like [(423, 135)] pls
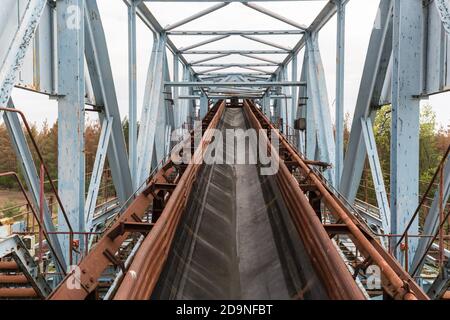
[(395, 280), (78, 285), (11, 293), (143, 274), (326, 260), (13, 278)]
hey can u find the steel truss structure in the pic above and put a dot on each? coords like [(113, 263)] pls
[(59, 48)]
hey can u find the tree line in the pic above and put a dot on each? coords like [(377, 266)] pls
[(434, 141)]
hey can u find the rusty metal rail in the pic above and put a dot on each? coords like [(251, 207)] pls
[(164, 197), (395, 280), (47, 173), (36, 217), (328, 264), (144, 272)]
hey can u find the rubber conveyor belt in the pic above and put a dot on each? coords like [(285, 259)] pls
[(236, 239)]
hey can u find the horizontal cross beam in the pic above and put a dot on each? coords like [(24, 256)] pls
[(275, 15), (226, 1), (266, 84), (197, 15), (268, 43), (234, 32), (236, 52), (229, 65)]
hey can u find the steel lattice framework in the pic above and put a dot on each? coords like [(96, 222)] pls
[(60, 49)]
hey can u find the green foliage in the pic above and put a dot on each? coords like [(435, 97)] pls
[(47, 141), (125, 127), (382, 132), (429, 153), (432, 144)]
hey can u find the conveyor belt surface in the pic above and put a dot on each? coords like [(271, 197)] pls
[(236, 239)]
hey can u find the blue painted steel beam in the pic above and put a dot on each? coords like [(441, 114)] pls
[(11, 64), (319, 109), (132, 92), (25, 158), (340, 72), (153, 113), (377, 174), (97, 171), (294, 91), (406, 87), (13, 60), (176, 91), (203, 105), (301, 110), (374, 74), (170, 115), (71, 85), (100, 72)]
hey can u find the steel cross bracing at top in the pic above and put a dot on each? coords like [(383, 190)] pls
[(59, 48)]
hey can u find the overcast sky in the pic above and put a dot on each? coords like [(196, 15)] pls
[(360, 18)]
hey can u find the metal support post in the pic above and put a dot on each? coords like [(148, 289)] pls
[(406, 87), (318, 109), (132, 92), (153, 113), (340, 61), (373, 77), (71, 85), (203, 105)]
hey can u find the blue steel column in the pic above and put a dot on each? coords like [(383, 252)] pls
[(71, 170), (175, 90), (373, 77), (340, 62), (318, 106), (11, 62), (167, 99), (406, 85), (377, 174), (23, 153), (286, 108), (153, 112), (97, 172), (132, 122), (302, 105), (184, 104), (192, 103), (277, 102), (310, 141), (266, 104), (203, 105), (99, 67), (294, 90), (14, 57)]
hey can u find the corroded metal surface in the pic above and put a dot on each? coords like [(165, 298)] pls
[(83, 281), (236, 240), (395, 280)]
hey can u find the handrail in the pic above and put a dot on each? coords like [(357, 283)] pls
[(42, 227), (66, 219), (438, 169), (400, 284)]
